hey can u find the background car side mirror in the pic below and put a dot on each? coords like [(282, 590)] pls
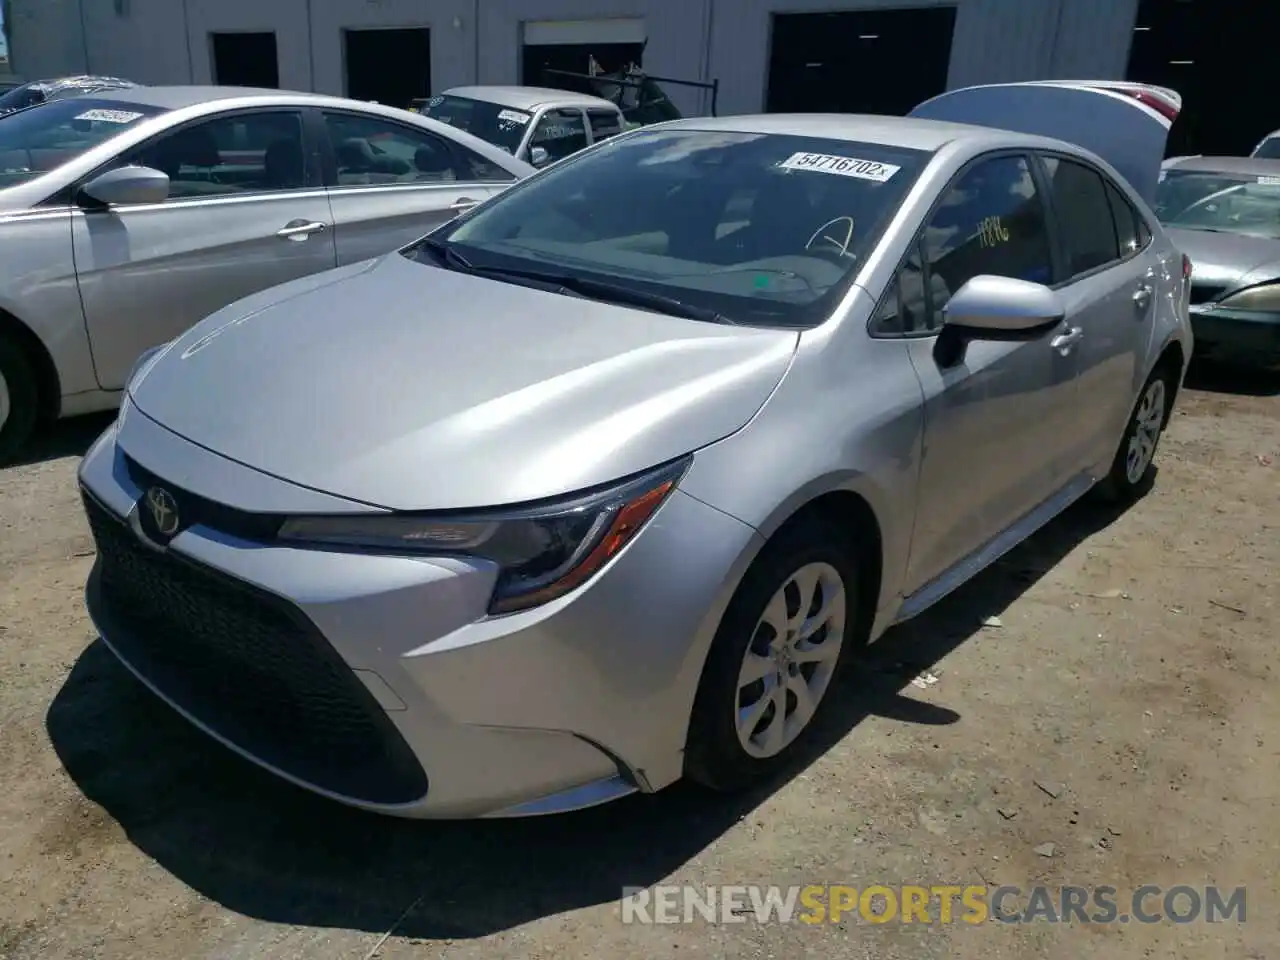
[(125, 185), (996, 308), (539, 157)]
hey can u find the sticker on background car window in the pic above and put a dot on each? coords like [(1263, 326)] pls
[(109, 116), (842, 166), (1269, 181), (434, 101), (513, 116), (992, 232)]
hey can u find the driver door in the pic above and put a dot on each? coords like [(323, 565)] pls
[(245, 212), (995, 422)]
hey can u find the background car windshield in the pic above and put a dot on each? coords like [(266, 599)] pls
[(43, 138), (501, 126), (763, 229), (1269, 149), (19, 98), (1218, 201)]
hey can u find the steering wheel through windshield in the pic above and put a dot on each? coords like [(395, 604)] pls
[(837, 242)]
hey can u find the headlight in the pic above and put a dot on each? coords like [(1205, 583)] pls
[(1265, 298), (542, 552)]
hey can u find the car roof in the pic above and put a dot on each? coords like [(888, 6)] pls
[(528, 98), (910, 132), (175, 98), (1246, 166)]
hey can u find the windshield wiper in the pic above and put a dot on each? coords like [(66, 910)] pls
[(445, 253), (607, 292)]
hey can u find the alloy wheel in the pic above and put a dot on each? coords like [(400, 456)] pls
[(1148, 422), (791, 659)]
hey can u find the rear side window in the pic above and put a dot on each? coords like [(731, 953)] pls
[(1126, 219), (1085, 223), (604, 124)]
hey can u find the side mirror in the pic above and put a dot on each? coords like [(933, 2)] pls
[(539, 157), (996, 308), (126, 185)]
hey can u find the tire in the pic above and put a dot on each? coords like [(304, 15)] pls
[(716, 756), (1133, 468), (19, 400)]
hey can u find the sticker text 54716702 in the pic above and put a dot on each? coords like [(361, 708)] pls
[(840, 166)]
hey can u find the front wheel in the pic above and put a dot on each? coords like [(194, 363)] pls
[(18, 399), (1133, 468), (780, 644)]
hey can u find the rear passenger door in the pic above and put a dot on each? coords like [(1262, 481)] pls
[(389, 183), (1108, 284)]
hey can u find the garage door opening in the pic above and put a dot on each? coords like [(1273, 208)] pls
[(245, 60), (388, 66), (884, 61), (570, 46), (1220, 61)]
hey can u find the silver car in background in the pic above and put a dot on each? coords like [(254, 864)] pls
[(598, 485), (1224, 213), (536, 124), (126, 217)]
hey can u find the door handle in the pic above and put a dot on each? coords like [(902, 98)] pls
[(462, 203), (1065, 342), (1142, 297), (298, 230)]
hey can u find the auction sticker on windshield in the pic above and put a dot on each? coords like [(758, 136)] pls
[(841, 166), (513, 116), (109, 116)]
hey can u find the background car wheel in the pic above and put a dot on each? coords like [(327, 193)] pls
[(783, 638), (1133, 468), (18, 399)]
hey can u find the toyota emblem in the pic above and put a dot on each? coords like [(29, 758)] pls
[(164, 511)]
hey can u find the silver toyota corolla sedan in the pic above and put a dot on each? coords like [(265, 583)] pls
[(1224, 213), (597, 486), (128, 215)]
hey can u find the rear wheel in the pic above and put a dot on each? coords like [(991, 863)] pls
[(19, 399), (783, 638), (1133, 467)]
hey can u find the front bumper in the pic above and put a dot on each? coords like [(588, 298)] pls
[(1242, 336), (378, 680)]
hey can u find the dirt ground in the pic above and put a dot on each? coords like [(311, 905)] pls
[(1130, 669)]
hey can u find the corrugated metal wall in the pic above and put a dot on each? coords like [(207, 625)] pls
[(168, 40)]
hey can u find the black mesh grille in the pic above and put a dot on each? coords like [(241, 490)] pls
[(249, 666)]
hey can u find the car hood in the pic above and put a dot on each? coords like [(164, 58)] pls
[(411, 387), (1227, 260)]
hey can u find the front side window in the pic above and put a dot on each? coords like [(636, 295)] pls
[(1223, 202), (560, 133), (991, 221), (604, 124), (504, 127), (36, 141), (370, 151), (760, 228), (245, 153), (1085, 223)]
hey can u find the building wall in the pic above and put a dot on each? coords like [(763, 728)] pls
[(472, 41)]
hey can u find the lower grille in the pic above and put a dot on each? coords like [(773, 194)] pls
[(247, 665)]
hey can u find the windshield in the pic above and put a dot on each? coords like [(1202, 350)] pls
[(1234, 203), (501, 126), (1268, 149), (35, 141), (756, 228)]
